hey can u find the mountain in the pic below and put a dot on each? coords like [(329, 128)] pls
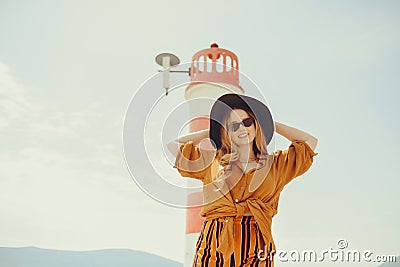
[(38, 257)]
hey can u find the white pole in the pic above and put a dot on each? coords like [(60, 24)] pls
[(166, 62)]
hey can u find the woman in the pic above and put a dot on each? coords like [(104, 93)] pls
[(242, 182)]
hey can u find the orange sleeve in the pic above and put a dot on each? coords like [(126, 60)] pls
[(193, 161), (292, 162)]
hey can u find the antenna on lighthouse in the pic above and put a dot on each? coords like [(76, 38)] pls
[(167, 60)]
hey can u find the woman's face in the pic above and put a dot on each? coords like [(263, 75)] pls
[(243, 135)]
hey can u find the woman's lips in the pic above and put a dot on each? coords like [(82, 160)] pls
[(243, 135)]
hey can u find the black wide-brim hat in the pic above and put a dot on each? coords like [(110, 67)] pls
[(228, 102)]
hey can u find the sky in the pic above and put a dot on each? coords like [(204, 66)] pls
[(68, 73)]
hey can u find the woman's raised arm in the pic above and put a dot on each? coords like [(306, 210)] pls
[(196, 137), (292, 133)]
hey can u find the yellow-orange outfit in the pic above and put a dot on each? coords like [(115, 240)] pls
[(227, 237)]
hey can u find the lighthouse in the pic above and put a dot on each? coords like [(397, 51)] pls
[(214, 72)]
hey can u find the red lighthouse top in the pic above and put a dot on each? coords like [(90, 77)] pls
[(215, 65)]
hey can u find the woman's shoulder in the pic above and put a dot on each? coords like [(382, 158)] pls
[(194, 160), (296, 148), (293, 161)]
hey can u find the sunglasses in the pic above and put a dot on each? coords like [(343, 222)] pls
[(246, 122)]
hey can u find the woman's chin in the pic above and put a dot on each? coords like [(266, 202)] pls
[(242, 142)]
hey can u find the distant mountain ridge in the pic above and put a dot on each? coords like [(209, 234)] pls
[(391, 264), (38, 257)]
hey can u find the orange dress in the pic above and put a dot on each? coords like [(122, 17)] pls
[(225, 201)]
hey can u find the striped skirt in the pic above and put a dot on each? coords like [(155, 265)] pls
[(248, 242)]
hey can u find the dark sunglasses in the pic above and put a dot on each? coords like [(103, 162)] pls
[(246, 122)]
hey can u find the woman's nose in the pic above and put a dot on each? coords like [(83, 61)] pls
[(241, 125)]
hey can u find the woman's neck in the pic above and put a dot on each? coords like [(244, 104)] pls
[(246, 153)]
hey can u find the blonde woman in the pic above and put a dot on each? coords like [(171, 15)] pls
[(242, 181)]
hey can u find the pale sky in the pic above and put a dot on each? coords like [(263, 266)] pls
[(68, 70)]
